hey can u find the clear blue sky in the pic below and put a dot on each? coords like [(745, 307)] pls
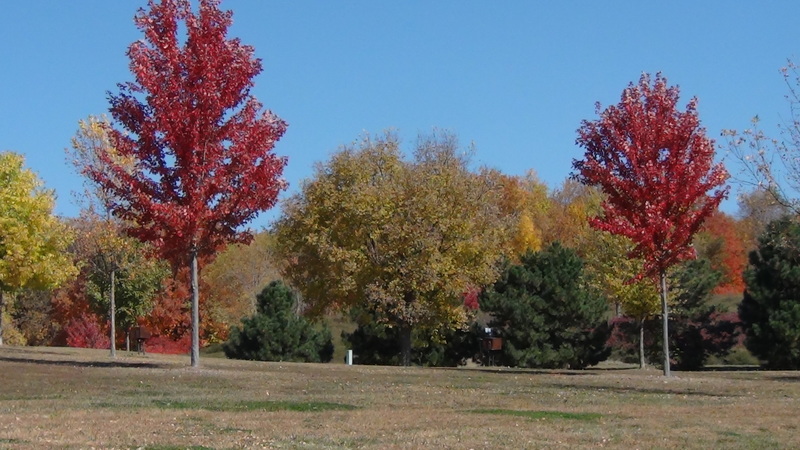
[(513, 77)]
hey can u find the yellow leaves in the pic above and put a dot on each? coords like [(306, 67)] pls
[(612, 273), (373, 227), (92, 150), (32, 241), (527, 236), (525, 202)]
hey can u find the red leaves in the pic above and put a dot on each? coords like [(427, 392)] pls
[(656, 167), (201, 144), (471, 298), (85, 331)]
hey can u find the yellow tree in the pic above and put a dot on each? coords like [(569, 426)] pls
[(33, 241), (614, 273), (525, 202), (567, 221), (238, 274), (402, 238)]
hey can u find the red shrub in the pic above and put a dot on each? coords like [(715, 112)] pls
[(165, 345), (85, 331)]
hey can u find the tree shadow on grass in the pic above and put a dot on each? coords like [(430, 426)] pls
[(73, 363), (786, 377), (732, 368)]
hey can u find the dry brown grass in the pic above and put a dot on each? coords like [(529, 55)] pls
[(70, 398)]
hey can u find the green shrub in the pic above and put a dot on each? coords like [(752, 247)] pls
[(276, 333)]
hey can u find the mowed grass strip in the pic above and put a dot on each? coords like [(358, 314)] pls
[(539, 415), (268, 406)]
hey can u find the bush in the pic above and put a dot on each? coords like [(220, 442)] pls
[(770, 309), (166, 345), (377, 344), (86, 332), (546, 313), (276, 333)]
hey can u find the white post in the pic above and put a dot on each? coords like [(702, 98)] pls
[(349, 357)]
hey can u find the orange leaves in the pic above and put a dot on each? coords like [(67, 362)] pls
[(725, 247)]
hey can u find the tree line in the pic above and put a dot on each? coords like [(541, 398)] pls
[(422, 252)]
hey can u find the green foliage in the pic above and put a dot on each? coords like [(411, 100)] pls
[(770, 310), (613, 273), (276, 333), (546, 312), (376, 343), (135, 287)]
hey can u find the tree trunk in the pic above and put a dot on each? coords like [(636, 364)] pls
[(405, 344), (113, 315), (128, 341), (195, 313), (2, 310), (641, 344), (665, 321)]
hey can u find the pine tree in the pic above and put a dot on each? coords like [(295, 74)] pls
[(546, 313), (770, 310), (276, 333)]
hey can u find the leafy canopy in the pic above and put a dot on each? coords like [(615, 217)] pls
[(33, 242), (656, 167), (101, 248), (199, 142), (402, 238)]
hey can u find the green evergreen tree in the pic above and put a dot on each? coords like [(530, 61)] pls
[(546, 312), (770, 309), (276, 333)]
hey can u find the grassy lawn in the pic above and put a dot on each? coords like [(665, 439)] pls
[(75, 398)]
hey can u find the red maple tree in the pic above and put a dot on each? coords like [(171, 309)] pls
[(656, 167), (192, 153)]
